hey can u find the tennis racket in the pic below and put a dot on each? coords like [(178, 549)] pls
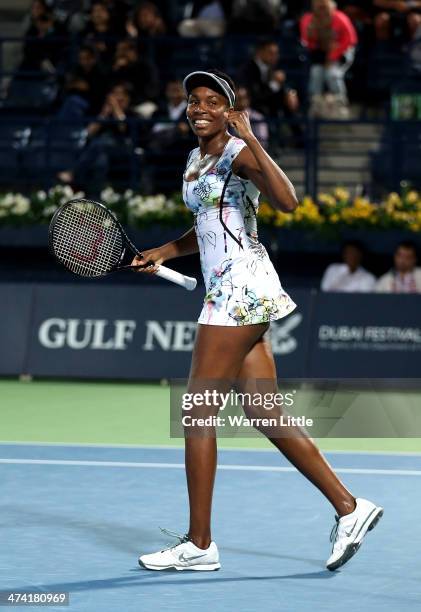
[(87, 239)]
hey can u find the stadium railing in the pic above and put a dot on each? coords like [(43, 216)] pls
[(364, 156)]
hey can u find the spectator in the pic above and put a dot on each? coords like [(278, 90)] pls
[(267, 85), (42, 50), (395, 15), (38, 8), (257, 120), (140, 73), (173, 110), (295, 8), (331, 39), (203, 18), (269, 91), (68, 11), (360, 12), (146, 22), (100, 32), (349, 276), (85, 85), (119, 11), (169, 142), (108, 143), (405, 277), (254, 17)]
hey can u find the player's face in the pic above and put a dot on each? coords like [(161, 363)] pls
[(206, 112)]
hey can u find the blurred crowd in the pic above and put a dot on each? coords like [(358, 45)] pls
[(350, 276), (98, 61)]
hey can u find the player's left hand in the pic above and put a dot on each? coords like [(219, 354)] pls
[(240, 121)]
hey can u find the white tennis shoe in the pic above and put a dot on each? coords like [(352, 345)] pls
[(183, 556), (348, 532)]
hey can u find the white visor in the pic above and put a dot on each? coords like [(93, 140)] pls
[(223, 86)]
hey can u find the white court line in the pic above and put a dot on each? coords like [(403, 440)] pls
[(240, 468), (270, 449)]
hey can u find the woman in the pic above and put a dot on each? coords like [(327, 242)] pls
[(222, 182)]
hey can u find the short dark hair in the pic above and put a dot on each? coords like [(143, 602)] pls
[(128, 87), (47, 16), (129, 42), (101, 2), (265, 42), (407, 244), (355, 244), (88, 49)]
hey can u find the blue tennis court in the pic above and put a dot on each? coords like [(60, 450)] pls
[(75, 518)]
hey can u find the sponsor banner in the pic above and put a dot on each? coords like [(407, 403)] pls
[(135, 333), (366, 336), (15, 313), (112, 331), (147, 332), (289, 337)]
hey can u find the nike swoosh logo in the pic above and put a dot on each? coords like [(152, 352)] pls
[(349, 533), (186, 559)]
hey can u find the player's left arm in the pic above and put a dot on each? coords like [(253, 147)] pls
[(255, 164)]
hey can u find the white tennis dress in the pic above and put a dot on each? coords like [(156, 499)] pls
[(242, 286)]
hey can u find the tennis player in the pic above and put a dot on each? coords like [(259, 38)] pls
[(222, 182)]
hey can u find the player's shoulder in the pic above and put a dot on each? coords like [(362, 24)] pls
[(235, 145), (193, 153)]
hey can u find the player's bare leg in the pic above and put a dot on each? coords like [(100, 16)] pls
[(295, 444), (218, 355), (355, 516)]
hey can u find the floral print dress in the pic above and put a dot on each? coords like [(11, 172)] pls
[(242, 286)]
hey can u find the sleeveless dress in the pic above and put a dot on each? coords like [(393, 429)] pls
[(242, 286)]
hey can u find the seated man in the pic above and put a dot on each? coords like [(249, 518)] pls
[(266, 84), (168, 142), (331, 39), (360, 12), (108, 142), (128, 67), (268, 88), (405, 277), (392, 15), (85, 87), (203, 18), (349, 276), (257, 120)]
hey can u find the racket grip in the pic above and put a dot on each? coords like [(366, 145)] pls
[(187, 282)]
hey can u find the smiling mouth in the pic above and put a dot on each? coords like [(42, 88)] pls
[(201, 123)]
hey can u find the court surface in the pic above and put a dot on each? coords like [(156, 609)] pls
[(75, 518)]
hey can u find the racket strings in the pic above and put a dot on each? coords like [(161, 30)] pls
[(87, 240)]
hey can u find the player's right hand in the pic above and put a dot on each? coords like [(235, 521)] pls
[(151, 259)]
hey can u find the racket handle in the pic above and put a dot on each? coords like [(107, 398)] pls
[(175, 277)]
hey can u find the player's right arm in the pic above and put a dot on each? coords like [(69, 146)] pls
[(185, 245)]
